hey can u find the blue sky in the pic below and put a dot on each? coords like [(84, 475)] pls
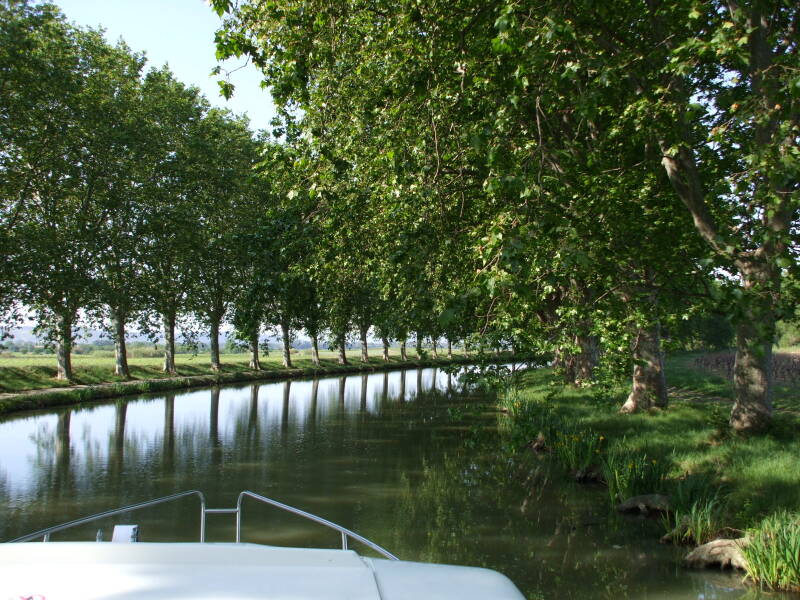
[(180, 33)]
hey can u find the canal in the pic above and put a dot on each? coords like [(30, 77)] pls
[(410, 459)]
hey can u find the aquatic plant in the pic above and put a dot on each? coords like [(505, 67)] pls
[(699, 523), (630, 471), (773, 552), (577, 449)]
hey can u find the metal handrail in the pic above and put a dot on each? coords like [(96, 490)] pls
[(345, 533), (45, 533), (342, 530)]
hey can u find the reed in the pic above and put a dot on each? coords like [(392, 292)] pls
[(578, 449), (630, 472), (773, 552), (699, 508)]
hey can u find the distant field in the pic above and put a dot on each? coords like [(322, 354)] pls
[(20, 372)]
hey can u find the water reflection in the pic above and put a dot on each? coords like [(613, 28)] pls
[(408, 459)]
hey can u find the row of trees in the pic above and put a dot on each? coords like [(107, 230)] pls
[(571, 179), (128, 200), (578, 174)]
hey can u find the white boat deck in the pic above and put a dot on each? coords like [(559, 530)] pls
[(89, 570)]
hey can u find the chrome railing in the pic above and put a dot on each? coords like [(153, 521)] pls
[(345, 533)]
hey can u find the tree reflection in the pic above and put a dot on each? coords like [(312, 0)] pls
[(213, 428), (168, 442), (63, 480), (287, 386), (363, 403)]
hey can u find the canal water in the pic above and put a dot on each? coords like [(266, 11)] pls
[(409, 459)]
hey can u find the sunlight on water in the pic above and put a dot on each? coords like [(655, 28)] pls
[(406, 458)]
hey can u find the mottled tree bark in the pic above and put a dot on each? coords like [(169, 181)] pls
[(342, 341), (169, 343), (385, 348), (315, 350), (649, 387), (364, 352), (214, 345), (435, 346), (418, 344), (287, 346), (449, 348), (255, 362), (64, 347), (120, 351), (585, 361), (752, 371), (403, 352)]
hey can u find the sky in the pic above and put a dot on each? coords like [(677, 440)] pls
[(181, 34)]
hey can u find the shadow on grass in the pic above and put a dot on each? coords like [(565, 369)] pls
[(760, 473)]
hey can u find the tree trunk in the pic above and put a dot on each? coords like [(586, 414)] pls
[(418, 343), (364, 353), (64, 347), (752, 371), (315, 350), (449, 348), (649, 383), (255, 363), (169, 343), (287, 346), (214, 345), (120, 350), (385, 349), (584, 363), (403, 353), (342, 350), (435, 345)]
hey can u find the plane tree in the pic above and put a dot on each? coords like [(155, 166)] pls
[(220, 166), (65, 158), (171, 216)]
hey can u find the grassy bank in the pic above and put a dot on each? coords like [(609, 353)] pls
[(719, 483), (21, 372), (30, 384)]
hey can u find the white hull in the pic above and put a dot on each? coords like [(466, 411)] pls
[(89, 570)]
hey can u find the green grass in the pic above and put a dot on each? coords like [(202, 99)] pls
[(21, 372), (716, 479)]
